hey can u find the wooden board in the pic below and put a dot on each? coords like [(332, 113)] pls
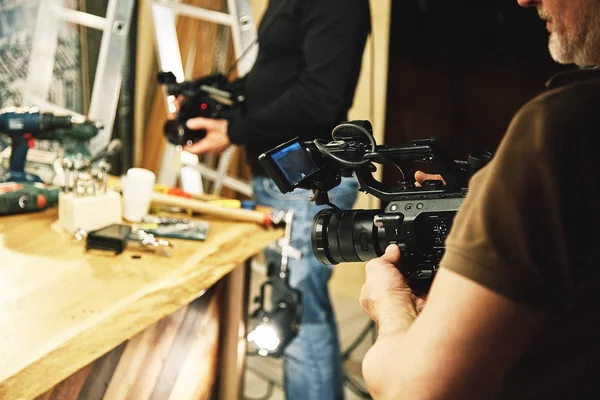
[(157, 363), (63, 308)]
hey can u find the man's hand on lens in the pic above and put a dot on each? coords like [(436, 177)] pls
[(421, 177), (386, 297), (216, 140)]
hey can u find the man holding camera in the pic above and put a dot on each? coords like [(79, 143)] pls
[(302, 85), (512, 310)]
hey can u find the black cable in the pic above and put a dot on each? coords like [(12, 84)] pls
[(356, 387), (330, 204), (265, 378), (323, 150), (264, 27), (358, 128), (265, 396), (363, 334), (241, 57), (383, 159)]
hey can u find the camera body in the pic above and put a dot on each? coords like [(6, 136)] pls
[(416, 218), (209, 97)]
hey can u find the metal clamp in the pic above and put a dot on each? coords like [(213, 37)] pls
[(148, 241), (283, 246), (141, 238)]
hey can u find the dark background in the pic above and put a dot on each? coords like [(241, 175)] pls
[(460, 69)]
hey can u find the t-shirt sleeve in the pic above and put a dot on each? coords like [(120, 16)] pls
[(509, 234)]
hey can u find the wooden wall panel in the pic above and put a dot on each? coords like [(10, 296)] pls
[(102, 372), (459, 87), (176, 358), (142, 360)]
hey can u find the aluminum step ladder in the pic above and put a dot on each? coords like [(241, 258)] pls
[(243, 32), (107, 81)]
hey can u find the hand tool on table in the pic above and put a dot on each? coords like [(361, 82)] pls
[(116, 237), (23, 126), (262, 218), (18, 198)]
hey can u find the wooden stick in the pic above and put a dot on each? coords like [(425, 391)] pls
[(211, 209)]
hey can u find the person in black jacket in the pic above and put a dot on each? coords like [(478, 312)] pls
[(302, 85)]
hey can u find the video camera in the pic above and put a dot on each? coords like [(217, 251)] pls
[(211, 96), (417, 218)]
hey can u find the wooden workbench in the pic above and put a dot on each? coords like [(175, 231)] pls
[(68, 313)]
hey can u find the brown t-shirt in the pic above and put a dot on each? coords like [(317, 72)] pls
[(529, 230)]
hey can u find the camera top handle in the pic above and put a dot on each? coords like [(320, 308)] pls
[(420, 150)]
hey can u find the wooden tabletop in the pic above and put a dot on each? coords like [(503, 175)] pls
[(62, 307)]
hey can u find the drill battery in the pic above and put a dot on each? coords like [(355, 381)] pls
[(18, 198)]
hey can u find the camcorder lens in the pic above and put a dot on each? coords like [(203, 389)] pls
[(346, 236), (173, 132), (179, 136)]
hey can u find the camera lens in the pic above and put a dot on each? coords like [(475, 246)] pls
[(346, 236), (177, 134), (174, 132)]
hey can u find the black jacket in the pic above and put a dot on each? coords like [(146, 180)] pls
[(305, 75)]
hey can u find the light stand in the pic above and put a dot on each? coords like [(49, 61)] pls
[(278, 324)]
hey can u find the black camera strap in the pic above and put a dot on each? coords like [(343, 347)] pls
[(263, 28)]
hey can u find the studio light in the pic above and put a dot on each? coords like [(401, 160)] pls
[(277, 322)]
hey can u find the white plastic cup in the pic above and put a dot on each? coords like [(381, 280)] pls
[(134, 209), (137, 187), (138, 182)]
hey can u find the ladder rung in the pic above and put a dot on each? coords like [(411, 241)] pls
[(80, 18), (228, 181), (196, 12), (47, 106)]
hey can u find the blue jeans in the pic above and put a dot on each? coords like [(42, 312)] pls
[(312, 361)]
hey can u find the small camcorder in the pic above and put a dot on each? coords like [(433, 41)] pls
[(211, 96), (416, 218)]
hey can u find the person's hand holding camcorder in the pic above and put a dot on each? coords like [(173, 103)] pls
[(216, 139), (386, 291), (204, 107)]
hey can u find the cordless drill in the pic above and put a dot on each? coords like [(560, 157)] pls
[(22, 126), (18, 198)]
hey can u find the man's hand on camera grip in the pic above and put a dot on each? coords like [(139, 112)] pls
[(216, 140), (421, 177), (386, 297)]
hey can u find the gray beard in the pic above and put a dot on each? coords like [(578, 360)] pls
[(583, 51), (560, 51)]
